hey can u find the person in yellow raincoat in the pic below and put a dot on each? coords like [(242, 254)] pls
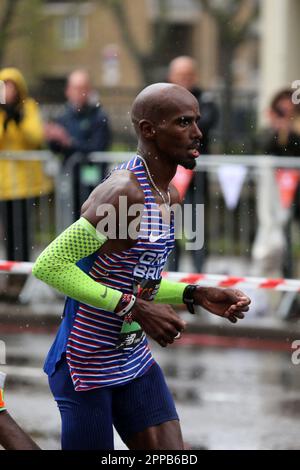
[(21, 129)]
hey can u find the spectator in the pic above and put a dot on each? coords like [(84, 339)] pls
[(271, 252), (281, 137), (82, 128), (20, 129), (183, 72)]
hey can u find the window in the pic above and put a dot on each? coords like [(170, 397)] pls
[(72, 31), (71, 21), (185, 11)]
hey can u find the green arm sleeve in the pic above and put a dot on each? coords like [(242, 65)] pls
[(170, 292), (56, 266)]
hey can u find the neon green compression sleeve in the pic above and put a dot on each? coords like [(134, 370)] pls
[(170, 292), (56, 266)]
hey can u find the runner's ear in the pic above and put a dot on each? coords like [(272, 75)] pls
[(147, 129)]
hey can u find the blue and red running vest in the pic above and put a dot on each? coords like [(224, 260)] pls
[(89, 336)]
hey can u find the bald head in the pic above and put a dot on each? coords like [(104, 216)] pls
[(78, 88), (183, 72), (165, 119), (156, 102)]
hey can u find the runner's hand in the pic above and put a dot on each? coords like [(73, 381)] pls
[(228, 303), (159, 321)]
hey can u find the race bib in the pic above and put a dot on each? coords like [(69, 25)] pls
[(131, 334)]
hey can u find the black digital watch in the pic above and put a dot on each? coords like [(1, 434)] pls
[(188, 297)]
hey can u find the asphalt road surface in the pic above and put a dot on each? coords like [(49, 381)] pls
[(227, 398)]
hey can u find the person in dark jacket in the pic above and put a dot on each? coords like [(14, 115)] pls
[(183, 71), (81, 129)]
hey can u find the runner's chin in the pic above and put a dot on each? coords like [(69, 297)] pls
[(189, 163)]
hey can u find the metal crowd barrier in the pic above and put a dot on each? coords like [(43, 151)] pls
[(230, 232), (27, 202)]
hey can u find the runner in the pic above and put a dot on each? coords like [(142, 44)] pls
[(100, 367)]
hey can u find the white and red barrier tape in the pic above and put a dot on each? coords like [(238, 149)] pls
[(16, 267), (222, 280), (217, 280)]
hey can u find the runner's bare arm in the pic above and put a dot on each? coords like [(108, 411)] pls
[(120, 191), (12, 437)]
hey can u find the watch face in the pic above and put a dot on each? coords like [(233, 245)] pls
[(188, 298), (188, 293)]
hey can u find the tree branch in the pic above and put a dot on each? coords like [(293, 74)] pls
[(162, 30), (244, 27), (117, 8), (208, 8), (9, 11), (5, 23), (144, 59), (234, 22)]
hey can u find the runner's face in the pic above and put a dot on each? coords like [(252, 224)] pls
[(177, 134)]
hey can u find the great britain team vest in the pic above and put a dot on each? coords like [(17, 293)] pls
[(101, 349)]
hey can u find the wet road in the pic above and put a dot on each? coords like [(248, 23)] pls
[(226, 398)]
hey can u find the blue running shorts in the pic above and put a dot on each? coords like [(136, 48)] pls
[(88, 417)]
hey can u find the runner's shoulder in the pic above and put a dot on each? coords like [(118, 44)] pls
[(119, 183), (122, 183)]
